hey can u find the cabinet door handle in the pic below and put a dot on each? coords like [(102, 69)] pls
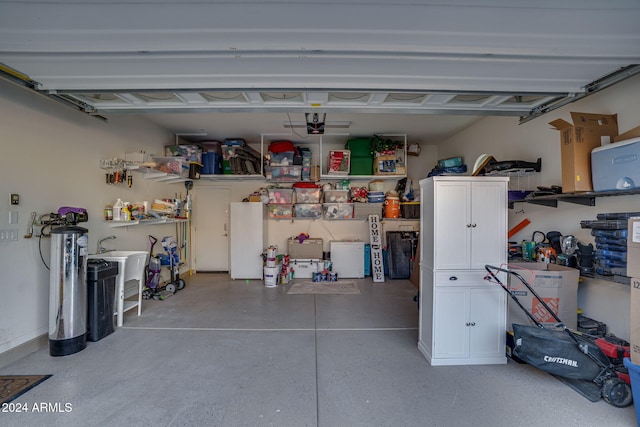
[(468, 225), (468, 324), (473, 225), (453, 278), (473, 323)]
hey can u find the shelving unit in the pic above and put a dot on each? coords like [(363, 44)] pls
[(585, 198), (382, 219), (159, 176), (147, 172), (324, 143), (325, 146), (152, 221), (239, 177)]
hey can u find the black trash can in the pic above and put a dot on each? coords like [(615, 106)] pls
[(101, 293)]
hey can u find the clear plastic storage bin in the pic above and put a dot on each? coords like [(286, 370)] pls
[(308, 210), (307, 195), (337, 210), (280, 196)]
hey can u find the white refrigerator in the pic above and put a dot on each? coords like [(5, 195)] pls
[(347, 258), (248, 237)]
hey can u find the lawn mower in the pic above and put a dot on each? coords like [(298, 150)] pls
[(592, 367)]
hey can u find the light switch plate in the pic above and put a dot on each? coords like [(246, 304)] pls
[(13, 217), (9, 235)]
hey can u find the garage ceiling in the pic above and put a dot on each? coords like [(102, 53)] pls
[(459, 57)]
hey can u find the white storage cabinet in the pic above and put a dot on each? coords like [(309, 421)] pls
[(463, 227)]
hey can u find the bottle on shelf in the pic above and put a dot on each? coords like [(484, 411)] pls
[(125, 213), (117, 210)]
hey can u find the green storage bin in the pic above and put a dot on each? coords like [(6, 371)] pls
[(359, 147), (361, 165)]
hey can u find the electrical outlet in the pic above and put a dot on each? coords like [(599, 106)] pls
[(9, 235), (13, 217)]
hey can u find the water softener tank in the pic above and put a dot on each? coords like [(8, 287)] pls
[(68, 291)]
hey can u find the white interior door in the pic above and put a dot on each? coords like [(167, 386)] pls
[(211, 229)]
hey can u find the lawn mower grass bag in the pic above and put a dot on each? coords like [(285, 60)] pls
[(557, 353)]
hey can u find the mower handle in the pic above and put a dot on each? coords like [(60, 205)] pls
[(533, 292)]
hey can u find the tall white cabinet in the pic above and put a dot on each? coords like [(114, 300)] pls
[(463, 226), (248, 237)]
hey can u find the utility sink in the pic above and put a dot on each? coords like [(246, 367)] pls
[(131, 266), (131, 263)]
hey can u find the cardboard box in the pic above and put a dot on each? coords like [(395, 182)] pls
[(558, 288), (385, 165), (587, 132), (632, 133), (308, 249), (633, 247), (635, 320)]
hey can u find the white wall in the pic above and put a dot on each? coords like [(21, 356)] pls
[(51, 157), (505, 139)]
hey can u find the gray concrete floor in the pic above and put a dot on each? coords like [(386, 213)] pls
[(234, 353)]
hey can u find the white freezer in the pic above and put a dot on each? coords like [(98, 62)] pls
[(347, 259)]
